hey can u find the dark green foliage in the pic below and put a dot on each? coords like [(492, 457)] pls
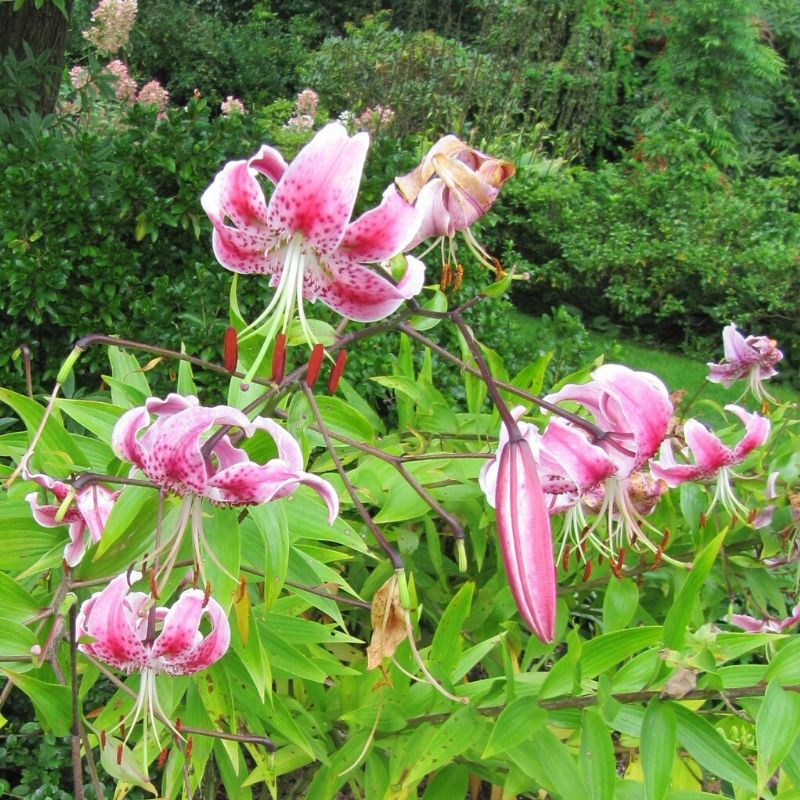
[(716, 72), (669, 246), (565, 65), (187, 48), (104, 233)]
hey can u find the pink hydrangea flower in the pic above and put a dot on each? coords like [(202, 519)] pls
[(712, 459), (306, 104), (86, 516), (125, 88), (303, 238), (231, 106), (128, 631), (79, 77), (751, 358), (153, 94), (112, 22)]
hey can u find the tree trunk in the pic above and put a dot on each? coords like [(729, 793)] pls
[(45, 30)]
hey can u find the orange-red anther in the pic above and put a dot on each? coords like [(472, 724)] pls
[(103, 739), (230, 350), (119, 754), (162, 757), (207, 594), (336, 372), (188, 752), (314, 364), (279, 358), (565, 558), (587, 570)]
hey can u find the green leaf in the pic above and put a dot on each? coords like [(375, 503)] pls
[(785, 666), (126, 369), (677, 618), (52, 702), (99, 418), (598, 765), (220, 555), (447, 640), (777, 726), (598, 655), (136, 505), (271, 521), (519, 721), (551, 765), (56, 453), (658, 740), (16, 603), (434, 746), (436, 302), (619, 604), (343, 419), (186, 385), (710, 749)]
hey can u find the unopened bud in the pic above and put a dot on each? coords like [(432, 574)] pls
[(461, 555), (314, 364), (230, 350), (279, 358)]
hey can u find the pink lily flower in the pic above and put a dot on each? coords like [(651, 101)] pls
[(303, 237), (88, 514), (511, 484), (128, 631), (454, 186), (768, 625), (752, 358), (712, 458), (170, 454), (634, 410)]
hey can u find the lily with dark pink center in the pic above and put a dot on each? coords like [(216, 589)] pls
[(128, 631), (303, 238)]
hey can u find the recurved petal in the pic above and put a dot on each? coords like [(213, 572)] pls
[(381, 232), (363, 294), (316, 194), (104, 617), (435, 219), (123, 438), (175, 455), (523, 529), (709, 452), (470, 197), (181, 628), (204, 650), (288, 449), (735, 345), (756, 432), (584, 463), (94, 504), (268, 161), (76, 547), (240, 251), (235, 194)]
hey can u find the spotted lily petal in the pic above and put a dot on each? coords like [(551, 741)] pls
[(180, 648), (108, 621)]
